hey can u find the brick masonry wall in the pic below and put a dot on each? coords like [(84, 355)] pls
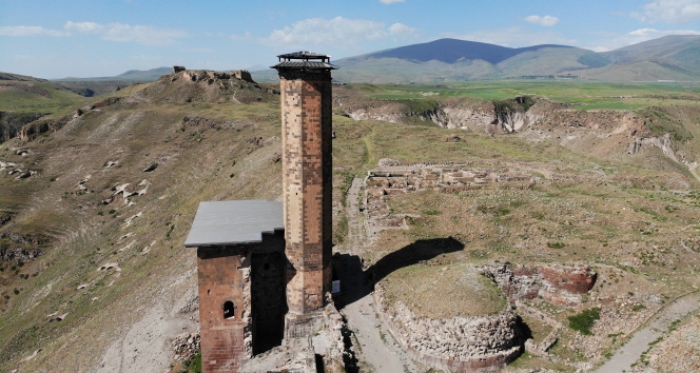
[(268, 295), (307, 184), (224, 274)]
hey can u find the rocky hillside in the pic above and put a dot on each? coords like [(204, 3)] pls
[(608, 134), (94, 209), (96, 201)]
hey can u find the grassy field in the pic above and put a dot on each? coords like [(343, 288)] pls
[(584, 95), (42, 97)]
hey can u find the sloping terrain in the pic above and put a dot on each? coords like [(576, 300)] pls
[(95, 206), (36, 96), (93, 261), (24, 99)]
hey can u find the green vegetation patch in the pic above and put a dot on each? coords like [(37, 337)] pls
[(420, 106), (660, 122), (583, 322)]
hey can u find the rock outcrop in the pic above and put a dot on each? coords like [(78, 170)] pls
[(661, 142), (12, 123)]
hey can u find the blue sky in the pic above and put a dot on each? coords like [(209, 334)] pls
[(88, 38)]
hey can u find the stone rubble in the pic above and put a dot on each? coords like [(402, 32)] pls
[(186, 345)]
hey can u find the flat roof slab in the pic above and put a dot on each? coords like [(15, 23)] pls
[(220, 223)]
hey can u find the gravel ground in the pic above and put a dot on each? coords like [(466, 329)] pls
[(632, 351)]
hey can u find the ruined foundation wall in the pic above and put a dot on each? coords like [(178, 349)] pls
[(307, 168), (482, 344)]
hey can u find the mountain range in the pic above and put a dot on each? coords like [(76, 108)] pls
[(129, 76), (445, 60), (452, 60)]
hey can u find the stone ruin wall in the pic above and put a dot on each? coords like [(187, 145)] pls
[(558, 285), (477, 344), (445, 178), (200, 75)]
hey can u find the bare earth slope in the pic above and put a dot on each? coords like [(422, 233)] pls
[(92, 238), (95, 206)]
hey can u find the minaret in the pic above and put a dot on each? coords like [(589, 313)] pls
[(305, 85)]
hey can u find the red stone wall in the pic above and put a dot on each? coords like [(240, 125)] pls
[(223, 275), (575, 281), (307, 172)]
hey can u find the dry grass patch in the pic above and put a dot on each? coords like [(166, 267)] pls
[(437, 291)]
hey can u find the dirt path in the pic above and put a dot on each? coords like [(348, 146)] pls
[(375, 348), (635, 347), (357, 235)]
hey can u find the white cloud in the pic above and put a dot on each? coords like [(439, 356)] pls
[(29, 31), (547, 21), (90, 27), (672, 11), (336, 32), (391, 1), (644, 34), (637, 36), (402, 31), (146, 35), (514, 37)]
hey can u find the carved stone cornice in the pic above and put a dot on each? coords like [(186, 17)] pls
[(293, 74)]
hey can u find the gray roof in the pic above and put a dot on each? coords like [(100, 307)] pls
[(302, 65), (303, 55), (304, 60), (219, 223)]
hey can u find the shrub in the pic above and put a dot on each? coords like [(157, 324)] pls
[(583, 322), (194, 364)]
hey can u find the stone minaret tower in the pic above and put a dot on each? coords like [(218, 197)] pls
[(305, 84)]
